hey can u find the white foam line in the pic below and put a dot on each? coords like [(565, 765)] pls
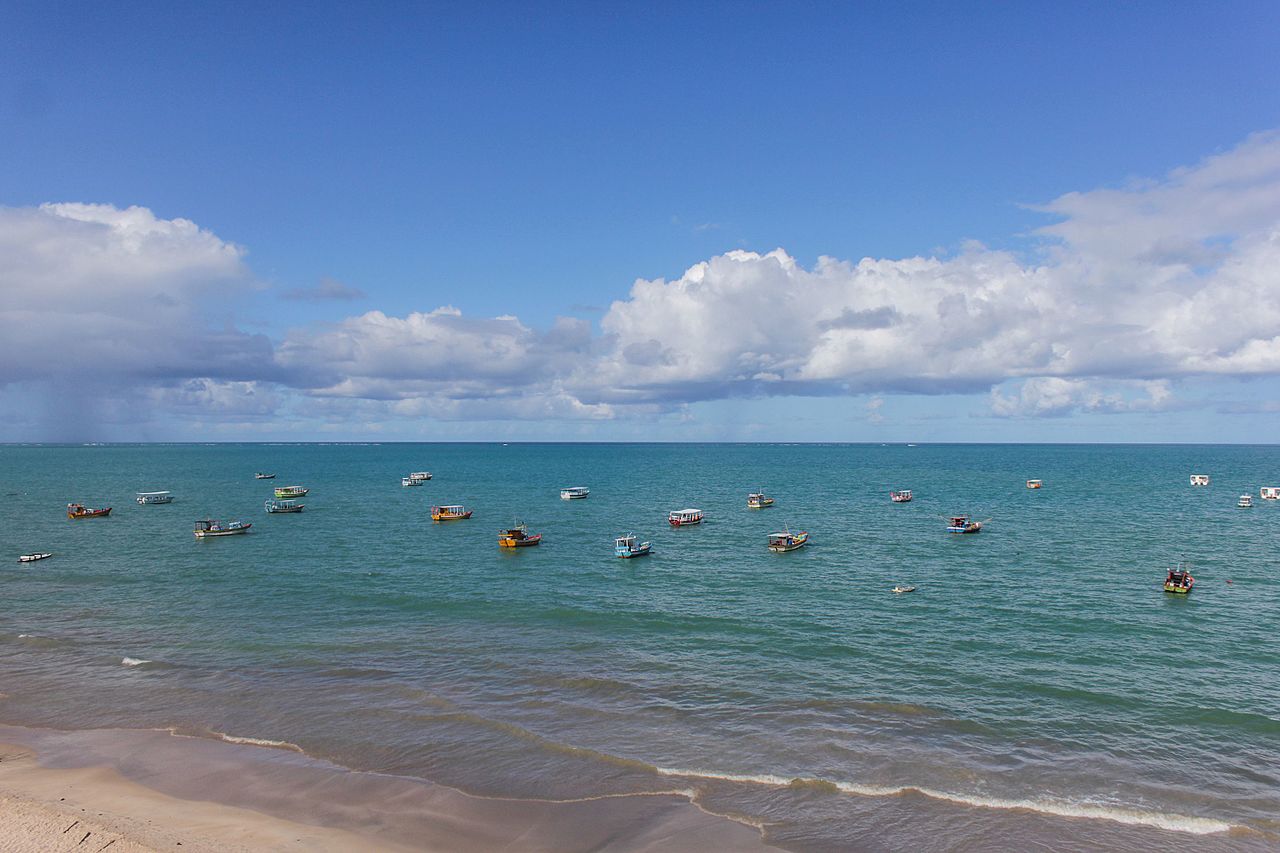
[(133, 661), (1118, 814)]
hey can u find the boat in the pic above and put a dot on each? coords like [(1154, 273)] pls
[(1269, 493), (145, 498), (31, 558), (420, 476), (627, 546), (901, 496), (1179, 580), (758, 500), (209, 528), (291, 492), (901, 589), (684, 517), (780, 543), (82, 511), (963, 524), (1245, 501), (574, 493), (274, 506), (517, 537), (409, 481), (1199, 479), (449, 513), (1035, 484), (262, 476)]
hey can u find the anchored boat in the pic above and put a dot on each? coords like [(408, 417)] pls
[(1269, 493), (627, 547), (291, 492), (82, 511), (963, 524), (1035, 484), (409, 481), (1179, 581), (901, 496), (1245, 501), (209, 528), (901, 589), (684, 517), (574, 493), (145, 498), (420, 476), (787, 541), (274, 506), (1199, 479), (31, 558), (262, 476), (449, 513), (518, 537), (758, 500)]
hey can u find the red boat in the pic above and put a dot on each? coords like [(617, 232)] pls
[(81, 511)]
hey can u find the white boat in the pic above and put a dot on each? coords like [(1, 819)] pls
[(420, 476), (1199, 479), (1269, 493), (901, 589), (574, 493), (31, 558), (684, 517), (409, 481), (1245, 501), (759, 500), (901, 496), (145, 498), (1035, 484)]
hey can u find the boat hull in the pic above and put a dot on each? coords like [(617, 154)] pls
[(213, 534), (438, 517), (1176, 589), (31, 558), (90, 513), (507, 542), (635, 552)]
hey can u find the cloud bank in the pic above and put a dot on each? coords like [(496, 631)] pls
[(1129, 291)]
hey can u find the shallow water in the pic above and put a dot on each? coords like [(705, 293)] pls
[(1038, 672)]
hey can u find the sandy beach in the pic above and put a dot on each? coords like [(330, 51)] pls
[(132, 791)]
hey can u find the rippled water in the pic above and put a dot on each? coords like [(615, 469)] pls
[(1038, 670)]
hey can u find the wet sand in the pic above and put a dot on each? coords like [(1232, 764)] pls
[(130, 791)]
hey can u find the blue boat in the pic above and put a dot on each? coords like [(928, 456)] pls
[(627, 546)]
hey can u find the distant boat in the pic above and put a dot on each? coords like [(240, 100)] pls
[(145, 498), (409, 481), (1269, 493), (963, 524), (627, 546), (900, 497), (1245, 502), (274, 506), (262, 476), (208, 528), (420, 476), (517, 537), (291, 492), (31, 558), (1179, 581), (684, 517), (449, 513), (1035, 484), (1199, 479), (574, 493), (758, 500), (82, 511), (901, 589), (787, 541)]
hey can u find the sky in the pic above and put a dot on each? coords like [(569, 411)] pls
[(616, 222)]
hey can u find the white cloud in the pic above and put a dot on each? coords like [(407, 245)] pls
[(1053, 396)]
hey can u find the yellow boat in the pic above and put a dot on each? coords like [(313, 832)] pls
[(449, 513)]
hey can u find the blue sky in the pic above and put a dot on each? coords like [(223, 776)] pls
[(503, 160)]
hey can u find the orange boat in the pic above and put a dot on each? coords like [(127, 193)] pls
[(518, 537), (449, 513), (82, 511)]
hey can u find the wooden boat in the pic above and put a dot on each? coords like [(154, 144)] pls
[(574, 493), (1179, 581), (409, 481), (145, 498), (1035, 484), (82, 511), (291, 492), (262, 476), (1245, 502), (780, 543), (31, 558), (449, 513), (274, 506), (758, 500), (963, 524), (684, 517), (420, 476), (1269, 493), (517, 537), (901, 496), (627, 547), (901, 589), (1199, 479), (208, 528)]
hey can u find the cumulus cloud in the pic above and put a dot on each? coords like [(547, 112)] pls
[(1054, 396)]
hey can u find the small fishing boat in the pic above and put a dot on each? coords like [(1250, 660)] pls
[(82, 511), (758, 500), (31, 558), (627, 546), (209, 528), (1179, 581), (1199, 479), (780, 543), (963, 524), (449, 513), (145, 498), (574, 493), (901, 589), (420, 476), (274, 506), (1245, 502), (409, 481), (262, 476), (901, 496), (291, 492), (1269, 493), (517, 537), (1035, 484), (684, 517)]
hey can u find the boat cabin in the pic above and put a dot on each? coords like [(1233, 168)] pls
[(627, 546), (154, 498), (518, 536), (420, 476), (684, 517), (449, 512), (758, 500), (274, 506), (963, 524), (291, 491), (1179, 581)]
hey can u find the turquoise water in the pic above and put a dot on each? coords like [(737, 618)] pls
[(1037, 673)]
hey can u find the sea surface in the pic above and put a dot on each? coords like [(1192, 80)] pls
[(1038, 687)]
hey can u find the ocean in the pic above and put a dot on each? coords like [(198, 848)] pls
[(1038, 687)]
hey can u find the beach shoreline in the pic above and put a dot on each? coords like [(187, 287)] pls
[(152, 790)]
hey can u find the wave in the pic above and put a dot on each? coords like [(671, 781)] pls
[(1060, 808), (128, 661), (257, 741)]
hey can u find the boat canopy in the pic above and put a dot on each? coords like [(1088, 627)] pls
[(152, 494)]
